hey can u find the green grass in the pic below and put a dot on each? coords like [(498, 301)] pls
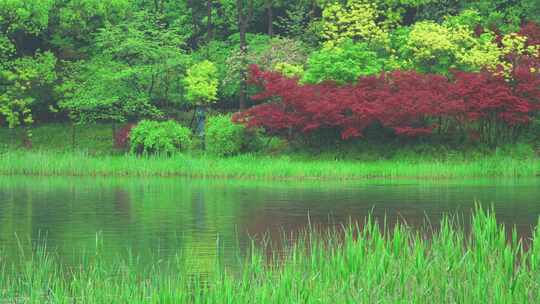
[(57, 137), (257, 167), (356, 264), (53, 154)]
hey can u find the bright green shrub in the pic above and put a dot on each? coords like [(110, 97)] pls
[(436, 48), (289, 70), (357, 20), (223, 137), (343, 64), (201, 83), (154, 137)]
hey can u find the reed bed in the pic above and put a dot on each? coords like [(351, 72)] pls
[(354, 264), (258, 167)]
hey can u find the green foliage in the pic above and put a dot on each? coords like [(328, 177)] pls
[(438, 10), (289, 70), (394, 11), (30, 17), (296, 23), (136, 71), (468, 18), (531, 9), (153, 137), (344, 63), (104, 90), (22, 83), (223, 137), (358, 20), (230, 60), (7, 49), (265, 52), (201, 83), (500, 14), (433, 47), (77, 21)]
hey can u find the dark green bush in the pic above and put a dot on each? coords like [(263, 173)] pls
[(154, 137), (223, 137)]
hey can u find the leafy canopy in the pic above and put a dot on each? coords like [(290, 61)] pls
[(343, 64), (201, 83)]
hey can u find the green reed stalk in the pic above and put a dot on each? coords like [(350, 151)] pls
[(367, 263)]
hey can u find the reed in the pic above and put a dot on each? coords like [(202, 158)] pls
[(365, 263), (258, 167)]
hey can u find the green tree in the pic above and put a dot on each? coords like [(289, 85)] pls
[(265, 52), (135, 72), (30, 17), (24, 83), (201, 83), (75, 23)]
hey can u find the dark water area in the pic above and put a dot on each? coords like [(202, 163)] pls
[(157, 218)]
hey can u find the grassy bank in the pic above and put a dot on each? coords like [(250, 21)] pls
[(353, 265), (59, 137), (93, 155), (258, 167)]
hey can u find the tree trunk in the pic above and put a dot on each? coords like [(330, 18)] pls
[(209, 25), (113, 134), (73, 135), (193, 40), (12, 136), (27, 137), (243, 21), (270, 15)]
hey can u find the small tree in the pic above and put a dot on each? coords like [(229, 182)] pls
[(201, 86), (201, 83)]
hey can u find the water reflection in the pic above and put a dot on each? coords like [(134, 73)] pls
[(211, 220)]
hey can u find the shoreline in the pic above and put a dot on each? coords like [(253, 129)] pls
[(249, 167)]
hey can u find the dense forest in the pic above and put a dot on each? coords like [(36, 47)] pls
[(340, 70)]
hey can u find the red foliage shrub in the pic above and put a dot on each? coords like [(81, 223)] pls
[(407, 102), (485, 96), (121, 138), (526, 75), (531, 30)]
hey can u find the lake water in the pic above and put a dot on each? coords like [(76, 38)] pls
[(158, 217)]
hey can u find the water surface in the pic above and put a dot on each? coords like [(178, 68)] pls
[(156, 218)]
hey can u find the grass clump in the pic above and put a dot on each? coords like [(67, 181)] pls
[(156, 137), (356, 264)]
